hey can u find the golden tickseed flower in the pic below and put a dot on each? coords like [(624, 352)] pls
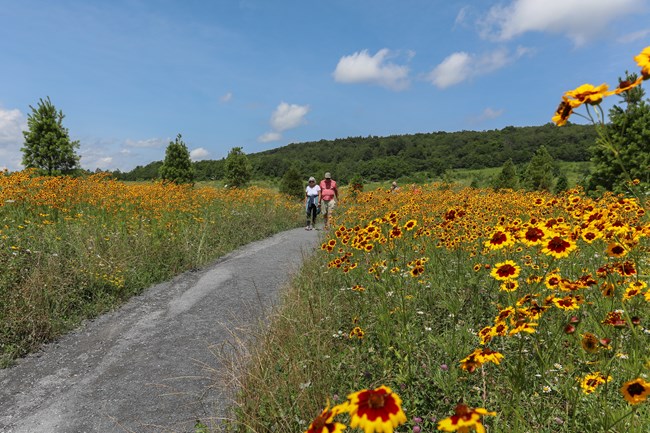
[(590, 342), (636, 391), (465, 418), (500, 239), (586, 94), (507, 270), (614, 249), (357, 332), (509, 286), (591, 381), (480, 357), (569, 302), (324, 423), (375, 410), (558, 247), (643, 60), (563, 112), (410, 225)]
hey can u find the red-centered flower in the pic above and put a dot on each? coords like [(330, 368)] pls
[(569, 302), (465, 418), (533, 236), (375, 410), (558, 247), (587, 94), (324, 423), (507, 270), (500, 239), (614, 249), (563, 112), (615, 319), (636, 391)]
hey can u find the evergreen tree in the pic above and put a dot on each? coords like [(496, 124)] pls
[(292, 183), (47, 143), (622, 151), (539, 172), (238, 169), (507, 178), (177, 166)]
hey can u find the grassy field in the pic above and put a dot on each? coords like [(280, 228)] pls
[(71, 248), (511, 312)]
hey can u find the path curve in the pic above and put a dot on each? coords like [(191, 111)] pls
[(142, 368)]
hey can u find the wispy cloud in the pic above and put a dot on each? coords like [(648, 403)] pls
[(580, 20), (488, 113), (461, 66), (146, 143), (226, 98), (633, 37), (198, 154), (361, 67), (284, 117)]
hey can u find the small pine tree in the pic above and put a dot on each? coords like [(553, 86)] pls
[(292, 183), (507, 178), (238, 168), (47, 143), (177, 166), (622, 151), (539, 172)]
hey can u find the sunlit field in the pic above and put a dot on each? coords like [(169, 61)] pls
[(506, 311), (71, 248)]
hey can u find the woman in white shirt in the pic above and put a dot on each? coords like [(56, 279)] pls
[(312, 198)]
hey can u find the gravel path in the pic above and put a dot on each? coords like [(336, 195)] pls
[(148, 367)]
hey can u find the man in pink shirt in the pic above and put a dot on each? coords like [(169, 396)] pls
[(328, 198)]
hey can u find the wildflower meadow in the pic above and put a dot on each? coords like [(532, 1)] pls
[(71, 248), (441, 308)]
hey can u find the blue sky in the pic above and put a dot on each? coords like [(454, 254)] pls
[(130, 75)]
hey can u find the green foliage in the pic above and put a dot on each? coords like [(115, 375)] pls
[(507, 178), (622, 152), (562, 183), (177, 166), (47, 143), (238, 168), (400, 156), (539, 172), (292, 183), (356, 185)]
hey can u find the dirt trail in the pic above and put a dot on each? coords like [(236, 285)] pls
[(143, 368)]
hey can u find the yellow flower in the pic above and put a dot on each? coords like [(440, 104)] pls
[(636, 391), (465, 418), (375, 410), (324, 423), (591, 381), (587, 94), (643, 60)]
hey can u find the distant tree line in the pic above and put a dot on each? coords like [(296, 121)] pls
[(385, 158)]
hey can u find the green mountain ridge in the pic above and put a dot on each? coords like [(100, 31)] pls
[(385, 158)]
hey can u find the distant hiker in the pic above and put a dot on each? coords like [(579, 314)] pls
[(394, 187), (312, 202), (329, 197)]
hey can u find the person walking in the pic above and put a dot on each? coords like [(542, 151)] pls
[(312, 202), (329, 197)]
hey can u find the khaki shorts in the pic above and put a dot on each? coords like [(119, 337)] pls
[(327, 206)]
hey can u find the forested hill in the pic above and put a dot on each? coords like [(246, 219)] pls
[(384, 158)]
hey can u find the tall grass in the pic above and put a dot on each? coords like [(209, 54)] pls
[(531, 305), (73, 248)]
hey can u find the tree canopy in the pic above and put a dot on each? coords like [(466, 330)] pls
[(47, 144), (177, 166)]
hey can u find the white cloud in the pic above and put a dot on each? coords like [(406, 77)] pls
[(148, 143), (288, 116), (461, 66), (12, 125), (199, 154), (269, 136), (580, 20), (226, 98), (361, 67)]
